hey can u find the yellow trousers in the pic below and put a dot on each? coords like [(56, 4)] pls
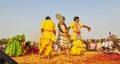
[(45, 47)]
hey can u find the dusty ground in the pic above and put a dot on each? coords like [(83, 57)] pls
[(87, 58)]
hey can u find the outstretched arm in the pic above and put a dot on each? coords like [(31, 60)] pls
[(89, 29)]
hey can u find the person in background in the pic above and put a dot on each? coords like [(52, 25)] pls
[(76, 36), (110, 45), (14, 47), (35, 48), (116, 45), (93, 45), (119, 45), (106, 45), (99, 45), (103, 44), (87, 44)]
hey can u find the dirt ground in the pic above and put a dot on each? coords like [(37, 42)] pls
[(86, 58)]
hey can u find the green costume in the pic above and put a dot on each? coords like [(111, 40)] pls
[(14, 45)]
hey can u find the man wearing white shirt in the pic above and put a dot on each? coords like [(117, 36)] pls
[(104, 44), (110, 45)]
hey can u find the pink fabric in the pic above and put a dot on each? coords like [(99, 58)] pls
[(92, 45), (35, 50), (78, 29)]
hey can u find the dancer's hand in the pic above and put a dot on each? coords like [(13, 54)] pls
[(89, 29)]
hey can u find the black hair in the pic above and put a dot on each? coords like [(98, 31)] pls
[(76, 17), (63, 18), (47, 17), (28, 44)]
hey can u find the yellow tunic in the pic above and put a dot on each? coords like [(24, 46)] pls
[(49, 27), (47, 37), (77, 44), (73, 26)]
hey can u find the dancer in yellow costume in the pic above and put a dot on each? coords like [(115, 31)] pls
[(47, 37), (76, 36)]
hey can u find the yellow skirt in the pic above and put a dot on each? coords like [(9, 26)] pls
[(45, 45), (77, 47)]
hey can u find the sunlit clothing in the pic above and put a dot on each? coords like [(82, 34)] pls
[(99, 45), (63, 38), (76, 30), (47, 37), (92, 45), (110, 43), (77, 47), (105, 44)]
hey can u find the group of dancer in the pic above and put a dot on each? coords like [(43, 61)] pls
[(72, 43)]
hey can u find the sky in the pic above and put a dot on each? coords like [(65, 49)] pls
[(25, 16)]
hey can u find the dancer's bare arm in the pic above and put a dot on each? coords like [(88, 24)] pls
[(89, 28)]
